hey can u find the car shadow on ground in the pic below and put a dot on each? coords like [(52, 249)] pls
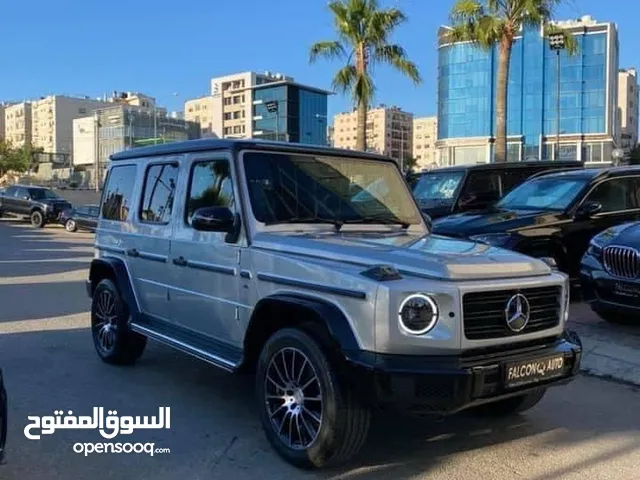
[(215, 428)]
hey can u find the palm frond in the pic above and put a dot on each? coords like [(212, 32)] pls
[(396, 56), (326, 49), (364, 89), (345, 79)]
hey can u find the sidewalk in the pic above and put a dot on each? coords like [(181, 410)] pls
[(611, 351)]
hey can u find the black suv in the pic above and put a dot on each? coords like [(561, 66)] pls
[(554, 214), (463, 188), (610, 274), (40, 204)]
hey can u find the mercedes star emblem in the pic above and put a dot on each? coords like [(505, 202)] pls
[(517, 313)]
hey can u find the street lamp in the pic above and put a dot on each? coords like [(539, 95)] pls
[(557, 43)]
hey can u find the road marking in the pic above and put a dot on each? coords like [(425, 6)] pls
[(62, 277), (67, 322), (50, 260)]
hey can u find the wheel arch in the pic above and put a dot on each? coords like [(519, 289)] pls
[(325, 321), (115, 270)]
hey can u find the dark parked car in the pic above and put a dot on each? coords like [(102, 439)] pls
[(554, 214), (448, 190), (40, 204), (3, 417), (83, 217), (610, 274)]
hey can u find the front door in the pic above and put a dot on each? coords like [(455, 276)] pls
[(205, 270), (620, 204)]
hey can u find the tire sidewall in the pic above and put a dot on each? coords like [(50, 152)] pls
[(326, 441), (121, 322)]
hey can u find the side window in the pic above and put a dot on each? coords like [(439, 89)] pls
[(118, 193), (515, 177), (616, 195), (158, 193), (481, 188), (209, 186), (81, 210), (21, 193), (94, 211), (10, 192)]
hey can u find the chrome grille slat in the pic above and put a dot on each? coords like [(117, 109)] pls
[(623, 262)]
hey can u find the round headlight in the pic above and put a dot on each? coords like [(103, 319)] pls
[(418, 314)]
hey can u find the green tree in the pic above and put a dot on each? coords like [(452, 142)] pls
[(14, 159), (488, 23), (364, 30)]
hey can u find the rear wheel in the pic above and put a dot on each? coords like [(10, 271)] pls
[(513, 405), (311, 417), (37, 219), (115, 343), (70, 225)]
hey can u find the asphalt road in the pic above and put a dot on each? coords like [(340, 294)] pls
[(589, 429)]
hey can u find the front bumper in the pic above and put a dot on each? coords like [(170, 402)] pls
[(605, 292), (445, 385)]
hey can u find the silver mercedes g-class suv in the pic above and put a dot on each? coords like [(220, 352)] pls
[(314, 268)]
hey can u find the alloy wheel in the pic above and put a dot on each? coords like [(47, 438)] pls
[(293, 396), (71, 226), (105, 327)]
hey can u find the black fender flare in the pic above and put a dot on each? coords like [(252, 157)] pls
[(116, 270), (320, 311)]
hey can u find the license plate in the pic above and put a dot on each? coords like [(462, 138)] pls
[(533, 371), (626, 290)]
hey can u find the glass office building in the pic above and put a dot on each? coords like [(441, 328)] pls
[(290, 112), (588, 127)]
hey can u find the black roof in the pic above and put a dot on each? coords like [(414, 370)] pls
[(596, 172), (498, 166), (207, 144)]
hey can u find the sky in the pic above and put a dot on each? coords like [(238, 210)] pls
[(170, 50)]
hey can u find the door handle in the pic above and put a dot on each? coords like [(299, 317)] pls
[(180, 261), (133, 252)]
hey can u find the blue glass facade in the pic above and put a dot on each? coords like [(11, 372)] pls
[(301, 116), (467, 77)]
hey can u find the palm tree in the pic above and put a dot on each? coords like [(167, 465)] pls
[(497, 22), (363, 31)]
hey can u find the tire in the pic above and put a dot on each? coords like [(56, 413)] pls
[(70, 226), (615, 318), (343, 421), (37, 219), (114, 342), (511, 406)]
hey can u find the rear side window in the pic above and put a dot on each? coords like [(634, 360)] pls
[(158, 193), (118, 192)]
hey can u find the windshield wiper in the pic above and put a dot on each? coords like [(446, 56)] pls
[(383, 219), (329, 221)]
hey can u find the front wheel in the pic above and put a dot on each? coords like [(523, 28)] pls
[(37, 219), (115, 343), (513, 405), (311, 417), (70, 225)]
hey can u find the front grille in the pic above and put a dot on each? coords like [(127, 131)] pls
[(621, 262), (484, 314)]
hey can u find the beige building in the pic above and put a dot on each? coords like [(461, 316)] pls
[(52, 121), (17, 123), (425, 135), (628, 108), (201, 111), (389, 131)]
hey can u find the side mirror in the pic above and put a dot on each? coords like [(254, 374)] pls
[(588, 209), (213, 219)]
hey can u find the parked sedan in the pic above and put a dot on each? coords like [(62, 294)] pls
[(83, 217), (610, 274), (554, 215), (3, 417)]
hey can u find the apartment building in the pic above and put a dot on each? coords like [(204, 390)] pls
[(52, 121), (628, 108), (425, 135), (389, 131), (17, 123), (3, 107), (201, 111)]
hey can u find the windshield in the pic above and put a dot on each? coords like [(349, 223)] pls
[(290, 188), (438, 186), (42, 194), (554, 193)]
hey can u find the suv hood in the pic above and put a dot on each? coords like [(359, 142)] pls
[(491, 221), (430, 256)]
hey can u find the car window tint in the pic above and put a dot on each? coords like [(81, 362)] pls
[(515, 177), (210, 185), (10, 191), (483, 182), (158, 193), (616, 194), (118, 193)]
